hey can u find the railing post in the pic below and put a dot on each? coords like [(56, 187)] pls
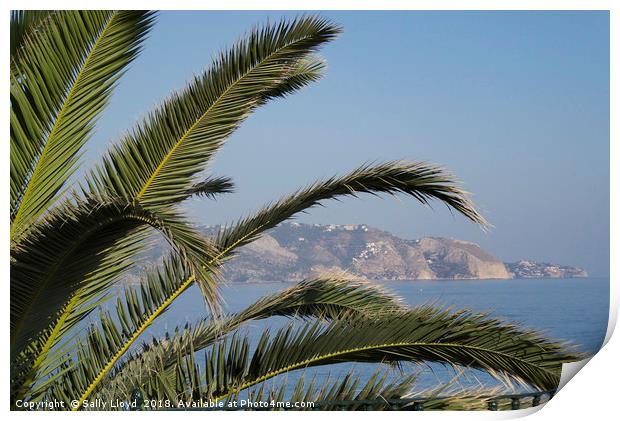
[(493, 405), (515, 403), (136, 395)]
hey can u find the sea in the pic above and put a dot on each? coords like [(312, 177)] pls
[(574, 310)]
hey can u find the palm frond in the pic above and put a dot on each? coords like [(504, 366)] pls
[(79, 250), (307, 70), (387, 335), (36, 365), (383, 390), (348, 392), (422, 181), (155, 302), (60, 83), (23, 24), (325, 298), (209, 188), (329, 297), (107, 341), (421, 335), (156, 162)]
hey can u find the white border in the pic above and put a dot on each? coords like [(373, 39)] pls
[(591, 394)]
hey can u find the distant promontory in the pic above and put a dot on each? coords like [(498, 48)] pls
[(294, 251)]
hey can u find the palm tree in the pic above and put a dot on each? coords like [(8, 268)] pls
[(74, 236)]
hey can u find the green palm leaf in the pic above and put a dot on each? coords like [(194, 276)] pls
[(422, 181), (325, 298), (328, 393), (307, 70), (424, 334), (383, 390), (60, 82), (329, 297), (209, 188), (107, 341), (62, 269), (361, 330), (156, 162), (80, 248), (23, 24)]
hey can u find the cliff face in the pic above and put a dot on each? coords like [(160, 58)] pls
[(296, 251), (455, 259)]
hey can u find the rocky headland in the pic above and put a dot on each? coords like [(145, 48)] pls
[(294, 251)]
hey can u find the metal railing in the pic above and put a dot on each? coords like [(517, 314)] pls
[(493, 403)]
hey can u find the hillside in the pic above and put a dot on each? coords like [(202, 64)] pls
[(294, 251)]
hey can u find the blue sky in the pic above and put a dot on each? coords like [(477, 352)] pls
[(516, 104)]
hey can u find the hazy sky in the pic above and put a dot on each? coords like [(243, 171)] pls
[(516, 104)]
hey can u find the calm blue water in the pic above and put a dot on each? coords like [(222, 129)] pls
[(567, 309)]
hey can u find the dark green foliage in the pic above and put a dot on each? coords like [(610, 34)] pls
[(23, 25)]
